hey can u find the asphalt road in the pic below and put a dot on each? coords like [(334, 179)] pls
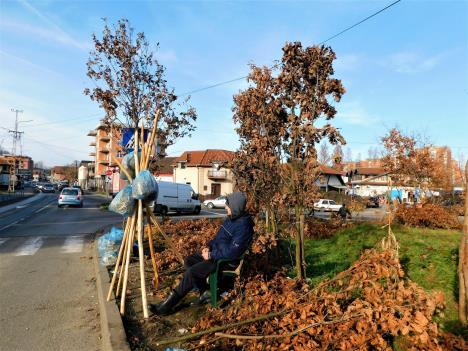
[(48, 294)]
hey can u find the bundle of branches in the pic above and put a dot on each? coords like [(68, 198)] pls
[(429, 216), (368, 306)]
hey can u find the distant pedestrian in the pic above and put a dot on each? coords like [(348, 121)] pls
[(343, 212)]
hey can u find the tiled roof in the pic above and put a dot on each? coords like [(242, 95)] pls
[(328, 170), (370, 171), (205, 157)]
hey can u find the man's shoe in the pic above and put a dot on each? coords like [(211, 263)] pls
[(165, 307), (203, 299)]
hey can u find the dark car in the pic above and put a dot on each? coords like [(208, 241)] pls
[(373, 202), (48, 188)]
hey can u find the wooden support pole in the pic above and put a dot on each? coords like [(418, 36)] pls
[(124, 259), (119, 257), (153, 254), (127, 263), (122, 168), (142, 259)]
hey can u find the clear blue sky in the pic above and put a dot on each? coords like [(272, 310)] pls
[(408, 66)]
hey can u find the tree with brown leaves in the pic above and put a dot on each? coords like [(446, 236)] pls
[(278, 124), (130, 85)]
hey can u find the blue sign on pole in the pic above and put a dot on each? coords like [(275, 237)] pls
[(127, 141)]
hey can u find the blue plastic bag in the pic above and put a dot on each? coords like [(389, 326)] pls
[(123, 203), (128, 162), (109, 245), (144, 186)]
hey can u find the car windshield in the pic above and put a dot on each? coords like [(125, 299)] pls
[(332, 202), (48, 184), (69, 192)]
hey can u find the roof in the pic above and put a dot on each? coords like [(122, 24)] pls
[(328, 170), (205, 157), (165, 164), (370, 171)]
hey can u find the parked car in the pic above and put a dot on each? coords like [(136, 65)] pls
[(176, 197), (213, 203), (70, 196), (373, 202), (47, 188), (326, 205)]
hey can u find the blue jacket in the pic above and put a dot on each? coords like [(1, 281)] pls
[(232, 239)]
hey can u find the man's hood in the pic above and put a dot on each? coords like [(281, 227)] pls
[(237, 202)]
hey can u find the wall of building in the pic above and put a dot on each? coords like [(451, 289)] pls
[(200, 182)]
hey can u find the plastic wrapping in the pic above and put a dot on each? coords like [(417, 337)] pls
[(128, 162), (109, 245), (145, 186), (123, 203)]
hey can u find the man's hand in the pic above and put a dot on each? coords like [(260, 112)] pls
[(206, 253)]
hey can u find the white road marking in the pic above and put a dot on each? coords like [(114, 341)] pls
[(3, 240), (21, 206), (73, 244), (8, 226), (30, 247), (42, 208)]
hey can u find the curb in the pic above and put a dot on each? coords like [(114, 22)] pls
[(112, 330)]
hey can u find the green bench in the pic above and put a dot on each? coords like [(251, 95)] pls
[(218, 273)]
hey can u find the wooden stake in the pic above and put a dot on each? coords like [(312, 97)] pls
[(142, 259), (122, 168), (119, 257), (132, 224), (127, 263), (153, 255)]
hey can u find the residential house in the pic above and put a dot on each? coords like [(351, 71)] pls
[(59, 173), (38, 174), (330, 179), (368, 181), (206, 171), (23, 164)]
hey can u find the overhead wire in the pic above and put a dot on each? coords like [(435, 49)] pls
[(322, 42)]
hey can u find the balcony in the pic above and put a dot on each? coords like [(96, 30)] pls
[(92, 154), (103, 162), (105, 138), (217, 174), (104, 150), (93, 143), (92, 133)]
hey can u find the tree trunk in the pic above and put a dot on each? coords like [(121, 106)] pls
[(300, 264), (463, 261), (267, 219), (274, 224)]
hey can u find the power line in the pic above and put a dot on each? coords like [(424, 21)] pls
[(362, 21), (67, 120), (323, 42)]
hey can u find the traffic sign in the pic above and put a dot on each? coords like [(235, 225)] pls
[(108, 179)]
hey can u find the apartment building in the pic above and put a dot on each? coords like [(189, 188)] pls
[(206, 171), (105, 148)]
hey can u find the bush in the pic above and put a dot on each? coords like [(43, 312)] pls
[(428, 216)]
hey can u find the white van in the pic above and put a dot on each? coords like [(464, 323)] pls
[(176, 197)]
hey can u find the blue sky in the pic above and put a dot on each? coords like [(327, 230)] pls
[(408, 66)]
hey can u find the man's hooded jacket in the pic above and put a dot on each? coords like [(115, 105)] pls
[(236, 232)]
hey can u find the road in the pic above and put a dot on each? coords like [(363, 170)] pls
[(48, 294)]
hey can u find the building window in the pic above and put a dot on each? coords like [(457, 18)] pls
[(205, 187), (182, 165)]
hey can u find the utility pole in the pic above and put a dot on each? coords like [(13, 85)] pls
[(16, 133)]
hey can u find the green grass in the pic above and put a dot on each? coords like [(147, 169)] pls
[(428, 257)]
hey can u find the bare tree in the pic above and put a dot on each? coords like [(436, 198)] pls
[(337, 156), (324, 156), (349, 155)]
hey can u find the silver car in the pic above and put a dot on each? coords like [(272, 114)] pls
[(70, 196)]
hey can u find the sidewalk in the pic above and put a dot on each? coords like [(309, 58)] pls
[(26, 200)]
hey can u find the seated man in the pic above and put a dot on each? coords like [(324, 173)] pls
[(231, 241)]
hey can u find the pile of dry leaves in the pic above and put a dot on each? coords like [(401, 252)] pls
[(368, 306), (429, 216)]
